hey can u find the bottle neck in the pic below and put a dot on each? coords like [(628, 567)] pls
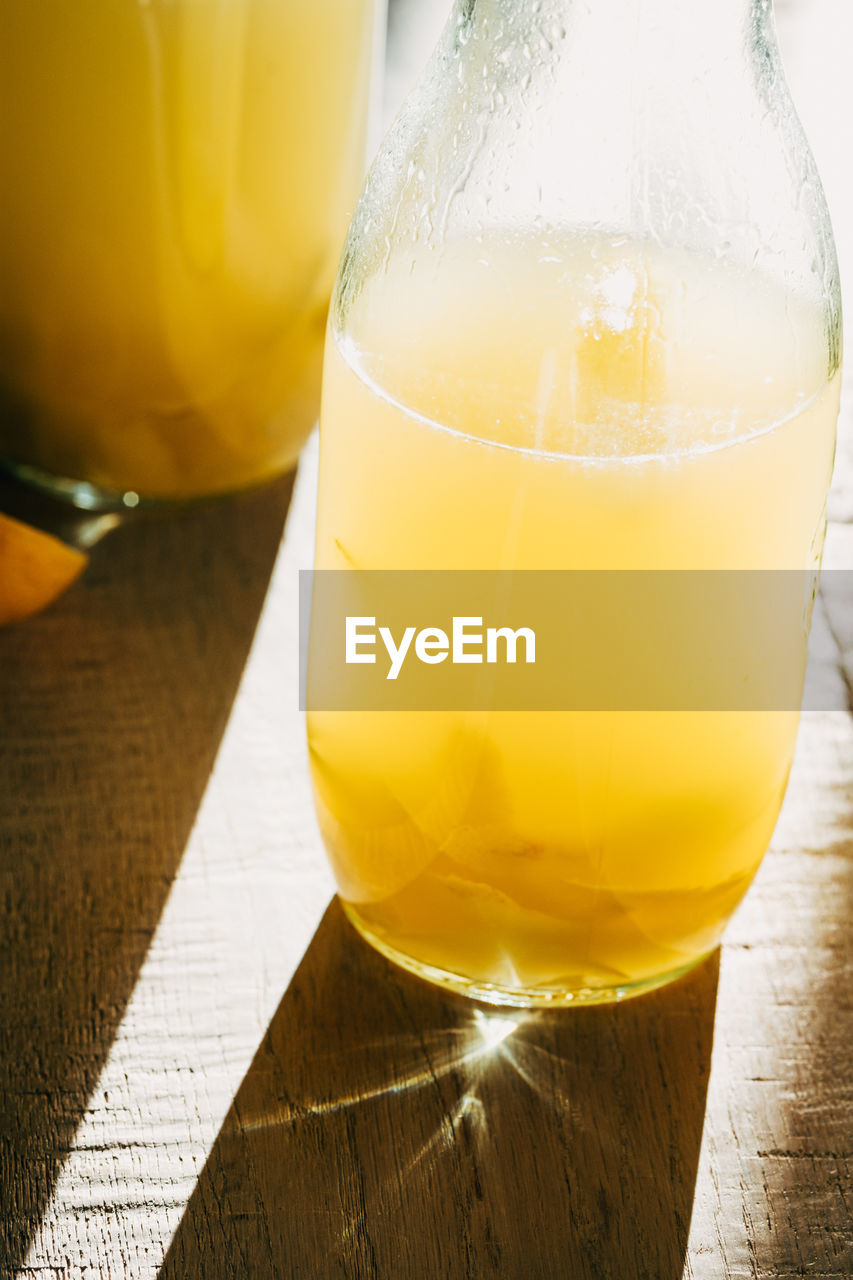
[(665, 118), (651, 12), (685, 31)]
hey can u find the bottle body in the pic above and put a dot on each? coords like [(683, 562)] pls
[(178, 179), (553, 394)]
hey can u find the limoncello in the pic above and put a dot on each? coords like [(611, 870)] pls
[(578, 403), (177, 177)]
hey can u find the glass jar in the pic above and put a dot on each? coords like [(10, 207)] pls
[(177, 178), (587, 319)]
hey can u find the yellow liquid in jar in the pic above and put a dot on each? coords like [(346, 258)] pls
[(576, 405), (176, 177)]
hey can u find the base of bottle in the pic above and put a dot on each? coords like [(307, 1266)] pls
[(546, 997), (82, 495), (79, 494)]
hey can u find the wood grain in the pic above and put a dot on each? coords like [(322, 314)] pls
[(163, 885), (387, 1129), (112, 706)]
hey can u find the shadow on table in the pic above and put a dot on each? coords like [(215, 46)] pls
[(112, 705), (388, 1129)]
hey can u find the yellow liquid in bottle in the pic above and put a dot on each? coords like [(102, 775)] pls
[(176, 177), (567, 406)]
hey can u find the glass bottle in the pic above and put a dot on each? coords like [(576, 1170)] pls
[(177, 179), (587, 318)]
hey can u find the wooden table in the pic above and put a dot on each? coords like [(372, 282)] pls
[(162, 885)]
